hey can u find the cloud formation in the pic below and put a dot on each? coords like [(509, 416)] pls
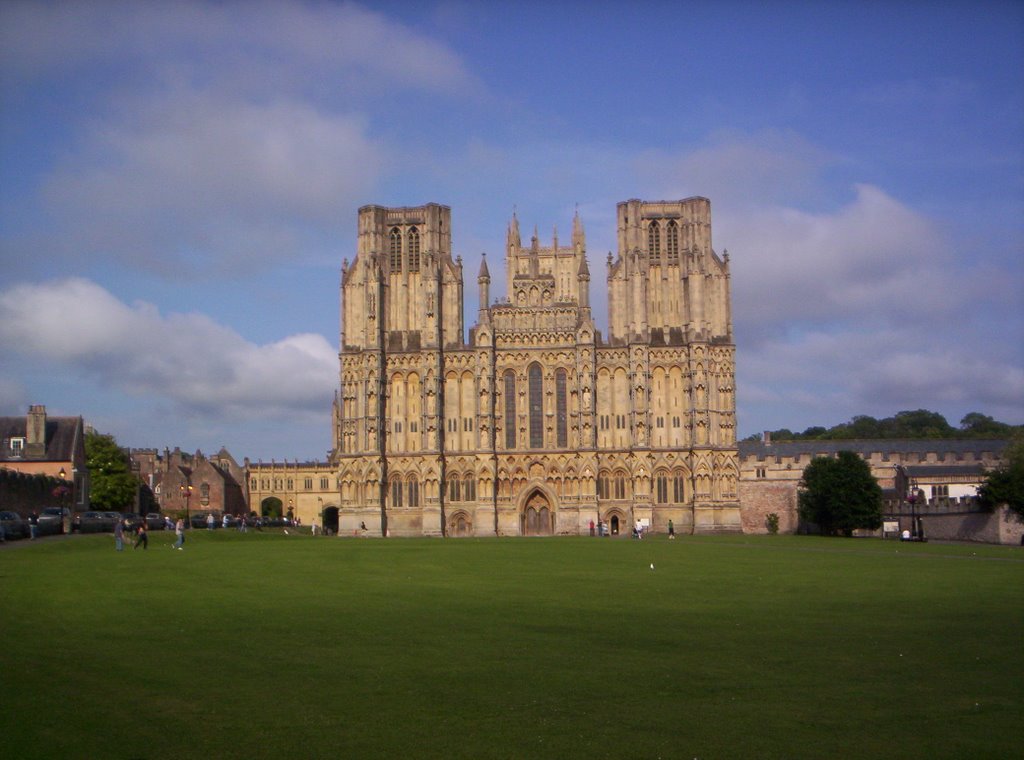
[(198, 366)]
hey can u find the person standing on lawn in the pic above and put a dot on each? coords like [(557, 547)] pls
[(179, 531), (141, 537), (119, 535)]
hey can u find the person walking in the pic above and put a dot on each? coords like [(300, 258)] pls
[(209, 521), (179, 531), (141, 537), (33, 525), (119, 535), (671, 530)]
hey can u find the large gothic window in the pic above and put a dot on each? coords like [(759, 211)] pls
[(395, 250), (561, 422), (469, 488), (396, 491), (414, 249), (654, 240), (672, 243), (454, 491), (536, 407), (414, 493), (510, 409), (661, 488)]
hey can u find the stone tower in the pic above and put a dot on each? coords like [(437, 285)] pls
[(536, 425)]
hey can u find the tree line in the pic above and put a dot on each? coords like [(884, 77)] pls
[(920, 423)]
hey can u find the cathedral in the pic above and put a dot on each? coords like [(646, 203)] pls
[(534, 423)]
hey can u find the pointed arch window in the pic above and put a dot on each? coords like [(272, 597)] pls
[(395, 250), (536, 407), (414, 492), (454, 488), (469, 488), (672, 243), (654, 240), (414, 249), (396, 491), (561, 418), (510, 409)]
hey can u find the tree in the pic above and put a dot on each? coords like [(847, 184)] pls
[(111, 483), (840, 495), (978, 425), (1005, 484)]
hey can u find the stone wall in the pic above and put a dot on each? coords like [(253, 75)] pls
[(761, 498)]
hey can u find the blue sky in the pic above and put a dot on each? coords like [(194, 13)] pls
[(179, 185)]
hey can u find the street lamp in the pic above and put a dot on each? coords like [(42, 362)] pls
[(186, 491)]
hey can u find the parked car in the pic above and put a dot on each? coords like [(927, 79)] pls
[(198, 520), (96, 522), (51, 520), (155, 521), (13, 525)]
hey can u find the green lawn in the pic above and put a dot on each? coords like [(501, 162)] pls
[(267, 645)]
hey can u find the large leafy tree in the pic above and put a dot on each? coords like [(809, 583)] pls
[(1005, 484), (840, 495), (111, 483)]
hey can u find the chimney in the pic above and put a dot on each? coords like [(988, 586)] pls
[(767, 438), (35, 432)]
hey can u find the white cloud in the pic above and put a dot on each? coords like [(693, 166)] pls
[(186, 359), (234, 44), (872, 257), (195, 178)]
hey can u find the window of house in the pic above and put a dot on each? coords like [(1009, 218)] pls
[(661, 488), (308, 484), (654, 240), (510, 410), (678, 489), (291, 484), (253, 486), (672, 243), (414, 250), (204, 494), (395, 250), (675, 422), (620, 487), (325, 483), (536, 407), (16, 447), (413, 427), (761, 472), (561, 418)]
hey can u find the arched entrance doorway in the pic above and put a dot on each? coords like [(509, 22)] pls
[(537, 519), (615, 525), (271, 507), (330, 521), (459, 524)]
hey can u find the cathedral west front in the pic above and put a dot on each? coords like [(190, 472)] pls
[(535, 423)]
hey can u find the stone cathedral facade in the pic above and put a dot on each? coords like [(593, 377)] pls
[(534, 423)]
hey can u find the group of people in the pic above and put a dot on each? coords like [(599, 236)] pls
[(141, 535)]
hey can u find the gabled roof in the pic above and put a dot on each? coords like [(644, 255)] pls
[(62, 434)]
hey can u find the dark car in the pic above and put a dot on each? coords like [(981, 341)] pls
[(96, 522), (155, 521), (13, 525), (51, 520)]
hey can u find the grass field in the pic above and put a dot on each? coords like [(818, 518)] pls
[(266, 645)]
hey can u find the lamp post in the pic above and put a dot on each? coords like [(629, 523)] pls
[(65, 516), (186, 491)]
